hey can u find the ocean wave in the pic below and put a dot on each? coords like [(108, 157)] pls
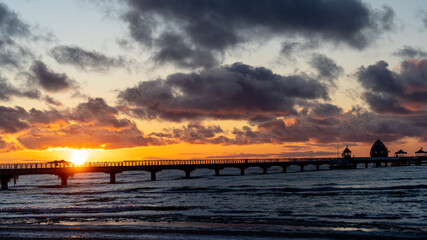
[(74, 209)]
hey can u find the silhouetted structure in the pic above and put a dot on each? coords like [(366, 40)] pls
[(400, 153), (346, 153), (378, 149), (421, 153), (64, 169), (346, 162)]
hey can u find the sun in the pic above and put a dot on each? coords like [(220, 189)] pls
[(79, 156)]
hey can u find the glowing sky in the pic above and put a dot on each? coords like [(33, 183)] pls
[(208, 79)]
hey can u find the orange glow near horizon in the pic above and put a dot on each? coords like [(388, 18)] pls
[(200, 151)]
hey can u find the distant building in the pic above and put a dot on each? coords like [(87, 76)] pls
[(346, 153), (421, 153), (379, 149), (400, 153)]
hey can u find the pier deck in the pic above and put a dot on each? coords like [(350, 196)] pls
[(10, 171)]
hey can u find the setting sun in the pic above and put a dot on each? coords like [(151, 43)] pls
[(79, 156)]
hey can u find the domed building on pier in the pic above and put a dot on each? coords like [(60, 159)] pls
[(379, 149)]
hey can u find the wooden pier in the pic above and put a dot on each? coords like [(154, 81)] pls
[(9, 171)]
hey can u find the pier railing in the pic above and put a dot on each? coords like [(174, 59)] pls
[(43, 165)]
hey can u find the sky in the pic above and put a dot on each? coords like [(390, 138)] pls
[(135, 80)]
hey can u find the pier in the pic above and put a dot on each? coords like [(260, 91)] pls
[(64, 170)]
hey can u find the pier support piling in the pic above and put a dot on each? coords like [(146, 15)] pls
[(284, 169), (366, 165), (4, 182), (264, 170), (64, 180), (317, 167), (216, 171), (242, 171), (112, 178), (301, 168), (153, 175), (187, 173), (378, 164)]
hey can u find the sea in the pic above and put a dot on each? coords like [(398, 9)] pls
[(363, 203)]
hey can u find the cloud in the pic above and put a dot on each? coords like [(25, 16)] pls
[(403, 91), (12, 120), (319, 123), (424, 18), (7, 91), (98, 113), (410, 52), (290, 48), (46, 117), (353, 126), (236, 91), (173, 49), (12, 54), (327, 68), (51, 101), (194, 133), (92, 124), (49, 80), (86, 60), (7, 146), (82, 136), (384, 103), (209, 28), (379, 78)]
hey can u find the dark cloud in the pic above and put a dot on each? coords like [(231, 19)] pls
[(288, 48), (410, 52), (353, 126), (206, 29), (86, 60), (173, 49), (194, 133), (404, 91), (97, 112), (384, 103), (291, 48), (379, 78), (236, 91), (12, 54), (327, 68), (320, 123), (424, 18), (49, 80), (12, 120), (325, 110), (45, 117), (10, 24), (8, 91), (51, 101)]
